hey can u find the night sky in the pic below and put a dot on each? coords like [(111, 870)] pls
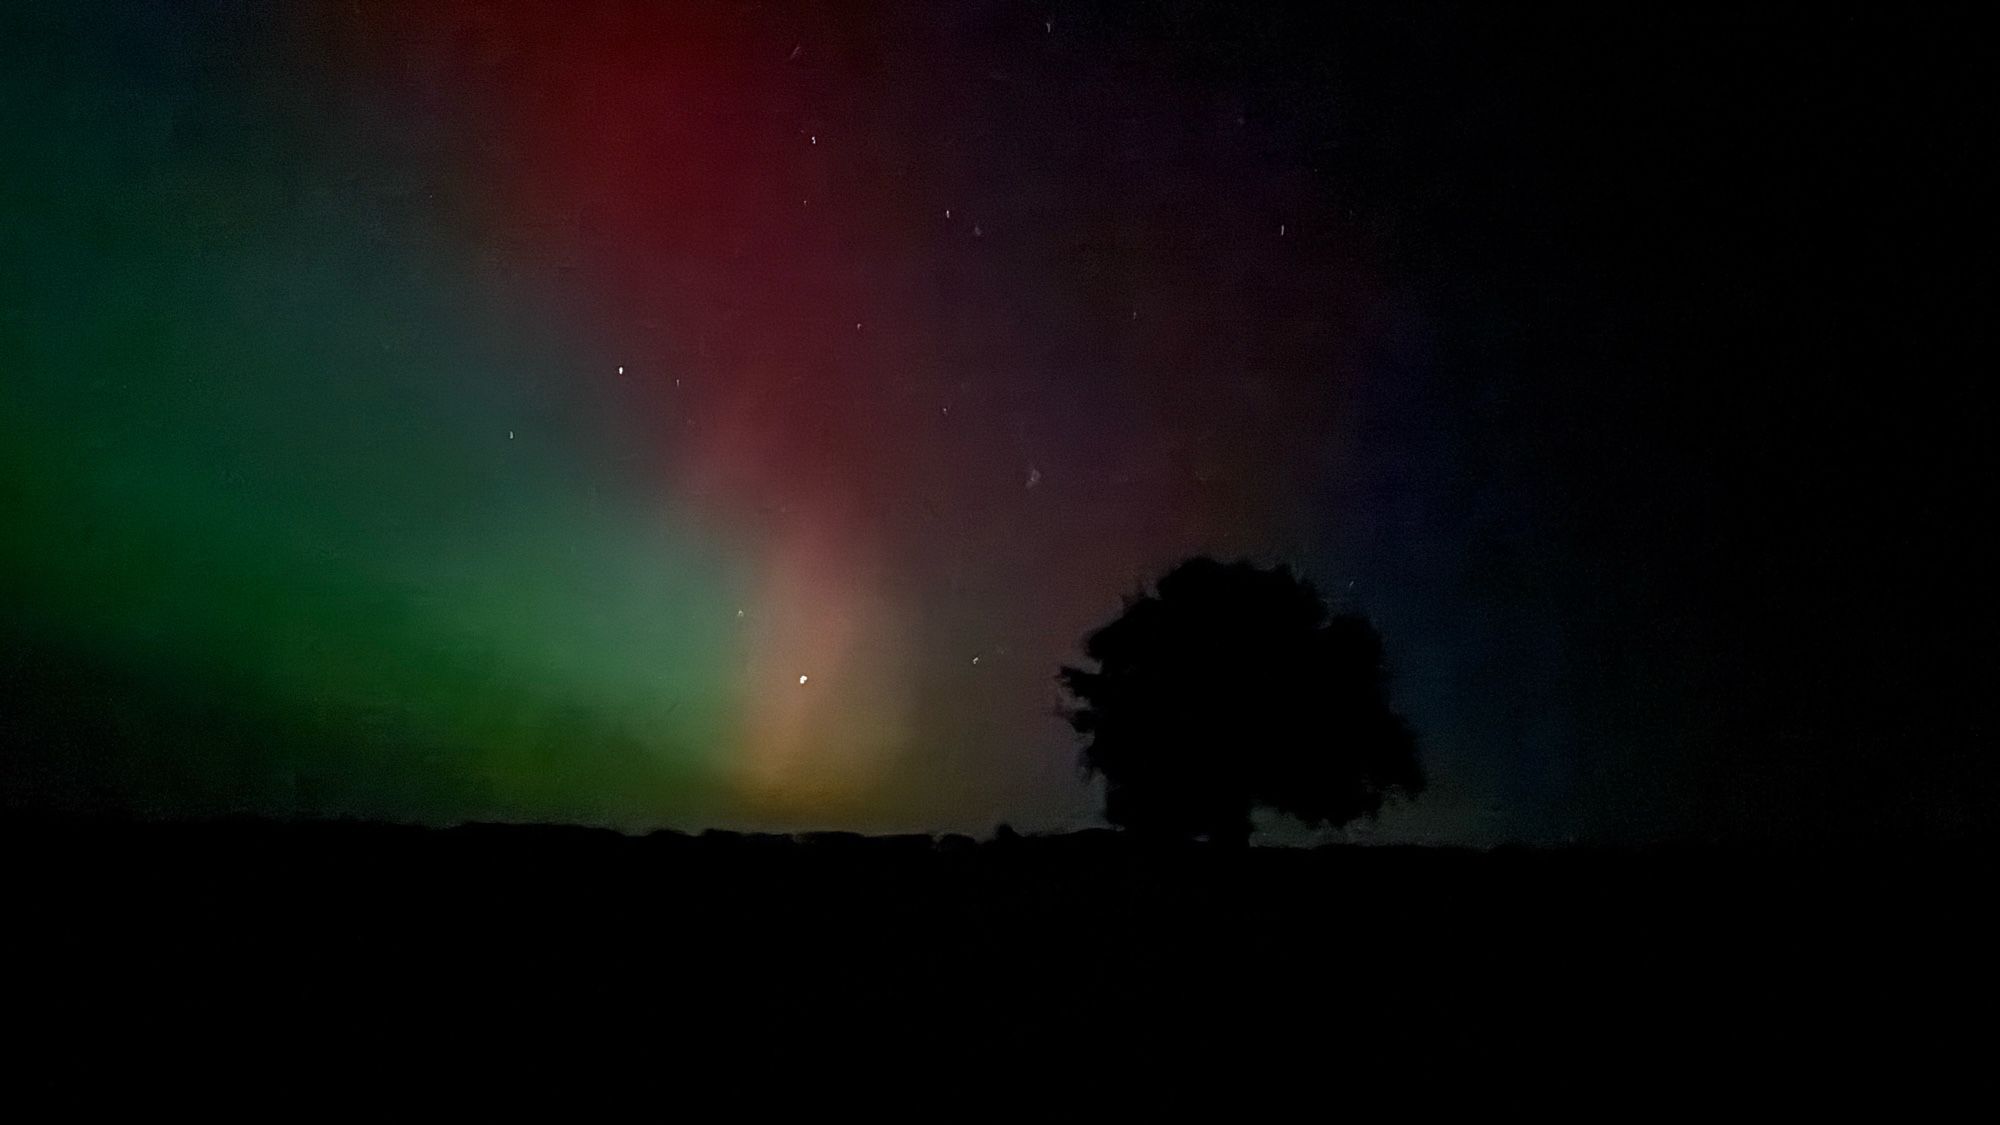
[(733, 414)]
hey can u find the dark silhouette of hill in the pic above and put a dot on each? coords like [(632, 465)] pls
[(260, 959), (1232, 686)]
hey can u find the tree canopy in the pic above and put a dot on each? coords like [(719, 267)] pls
[(1233, 686)]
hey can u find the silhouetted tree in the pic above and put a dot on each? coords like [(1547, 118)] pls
[(1230, 687)]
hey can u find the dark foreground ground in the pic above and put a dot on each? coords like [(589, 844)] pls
[(256, 961)]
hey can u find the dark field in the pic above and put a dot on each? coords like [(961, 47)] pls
[(301, 961)]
